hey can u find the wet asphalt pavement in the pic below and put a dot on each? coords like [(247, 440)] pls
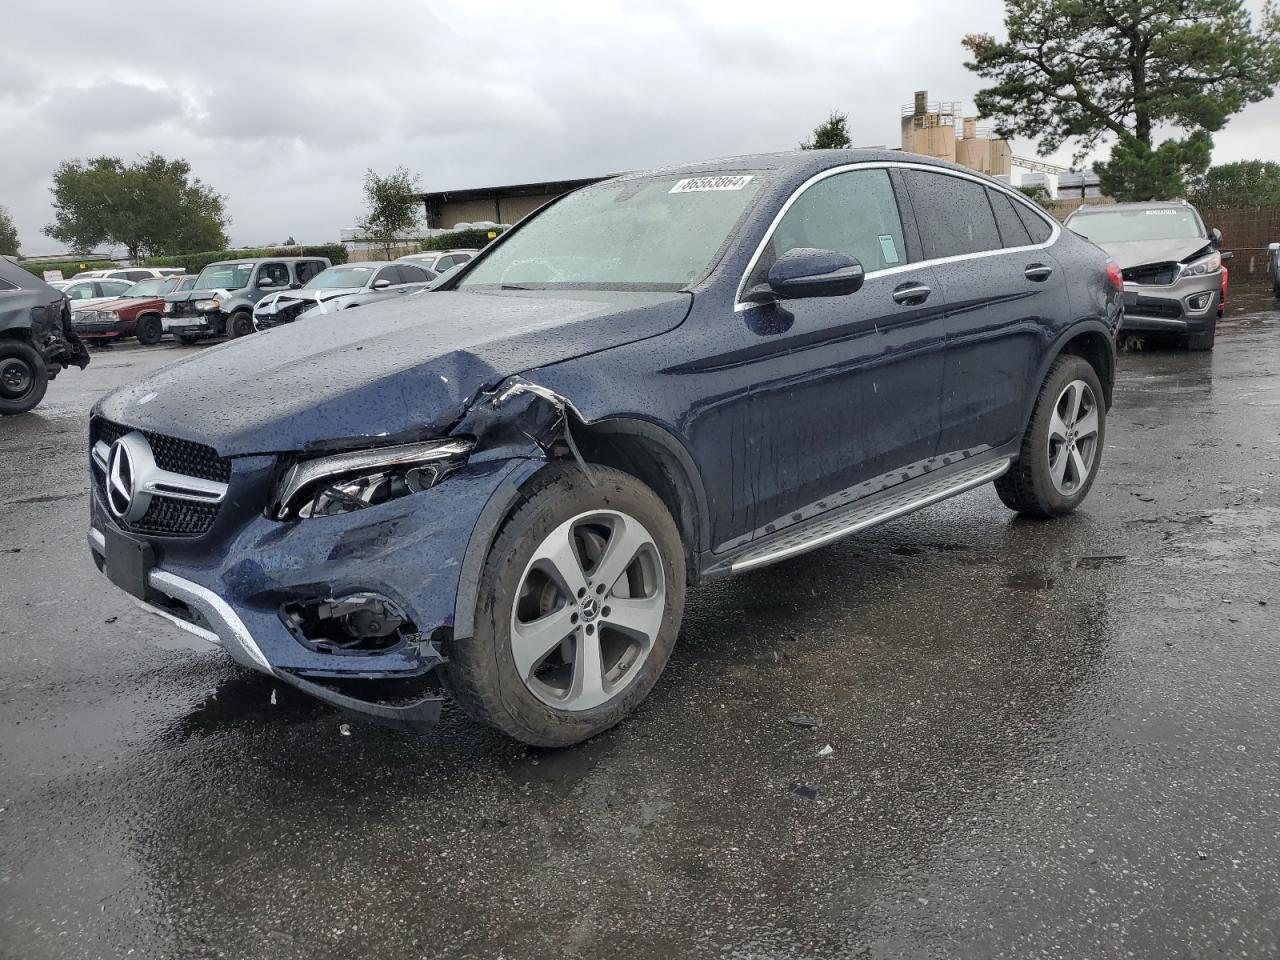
[(1049, 739)]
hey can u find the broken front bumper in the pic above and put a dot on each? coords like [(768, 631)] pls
[(237, 589), (1188, 305)]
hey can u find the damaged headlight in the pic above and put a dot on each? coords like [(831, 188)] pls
[(207, 305), (337, 484), (1205, 265)]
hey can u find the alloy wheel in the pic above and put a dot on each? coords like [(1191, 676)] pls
[(1073, 437), (588, 610)]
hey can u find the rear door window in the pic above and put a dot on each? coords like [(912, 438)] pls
[(412, 274), (1012, 230), (953, 214), (854, 213)]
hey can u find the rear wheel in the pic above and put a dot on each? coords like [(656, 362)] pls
[(1062, 448), (23, 377), (578, 609), (148, 330)]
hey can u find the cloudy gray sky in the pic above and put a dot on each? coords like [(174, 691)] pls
[(282, 106)]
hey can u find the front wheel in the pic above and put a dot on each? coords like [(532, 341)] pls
[(23, 377), (1062, 448), (579, 604), (240, 323), (149, 330), (1202, 341)]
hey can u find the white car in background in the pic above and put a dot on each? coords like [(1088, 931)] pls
[(90, 292), (439, 260), (132, 274), (342, 287)]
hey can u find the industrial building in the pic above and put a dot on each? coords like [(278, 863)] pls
[(938, 130), (445, 209)]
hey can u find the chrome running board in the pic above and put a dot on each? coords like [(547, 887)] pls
[(856, 517)]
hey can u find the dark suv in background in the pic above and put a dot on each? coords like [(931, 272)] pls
[(221, 302), (511, 480)]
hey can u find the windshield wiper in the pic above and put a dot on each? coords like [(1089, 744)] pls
[(514, 286)]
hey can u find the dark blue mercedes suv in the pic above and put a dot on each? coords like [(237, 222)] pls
[(508, 482)]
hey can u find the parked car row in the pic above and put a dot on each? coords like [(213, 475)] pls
[(342, 288), (138, 312)]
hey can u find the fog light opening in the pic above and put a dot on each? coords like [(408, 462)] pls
[(1200, 301), (358, 623)]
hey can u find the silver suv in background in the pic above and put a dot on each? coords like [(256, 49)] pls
[(1172, 266)]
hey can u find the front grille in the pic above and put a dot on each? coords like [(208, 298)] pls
[(1161, 274), (168, 516), (182, 308)]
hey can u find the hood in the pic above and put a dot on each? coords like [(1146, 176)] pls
[(408, 369), (1135, 253), (127, 304), (312, 296)]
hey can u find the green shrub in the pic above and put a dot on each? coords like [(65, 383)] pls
[(195, 262), (460, 240), (70, 269)]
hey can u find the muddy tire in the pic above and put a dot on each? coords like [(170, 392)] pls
[(149, 330), (23, 377), (579, 604), (1062, 448)]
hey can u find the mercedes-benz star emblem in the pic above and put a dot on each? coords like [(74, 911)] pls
[(131, 472), (120, 474)]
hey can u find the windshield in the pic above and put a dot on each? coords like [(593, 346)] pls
[(1126, 226), (652, 233), (336, 277), (150, 288), (224, 276)]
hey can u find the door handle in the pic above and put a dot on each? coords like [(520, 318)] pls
[(1038, 272), (911, 294)]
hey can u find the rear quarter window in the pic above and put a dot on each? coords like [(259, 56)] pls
[(1039, 228)]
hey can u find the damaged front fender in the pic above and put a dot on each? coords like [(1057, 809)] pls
[(517, 416)]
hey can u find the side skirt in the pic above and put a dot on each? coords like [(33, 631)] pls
[(860, 515)]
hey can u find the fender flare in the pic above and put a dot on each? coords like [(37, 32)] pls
[(1090, 325)]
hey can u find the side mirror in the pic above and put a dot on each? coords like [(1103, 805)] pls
[(295, 285), (1215, 238), (810, 272), (381, 284)]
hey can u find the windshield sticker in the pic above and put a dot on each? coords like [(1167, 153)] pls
[(706, 184), (888, 249)]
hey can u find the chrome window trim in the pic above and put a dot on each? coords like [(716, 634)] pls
[(985, 181)]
